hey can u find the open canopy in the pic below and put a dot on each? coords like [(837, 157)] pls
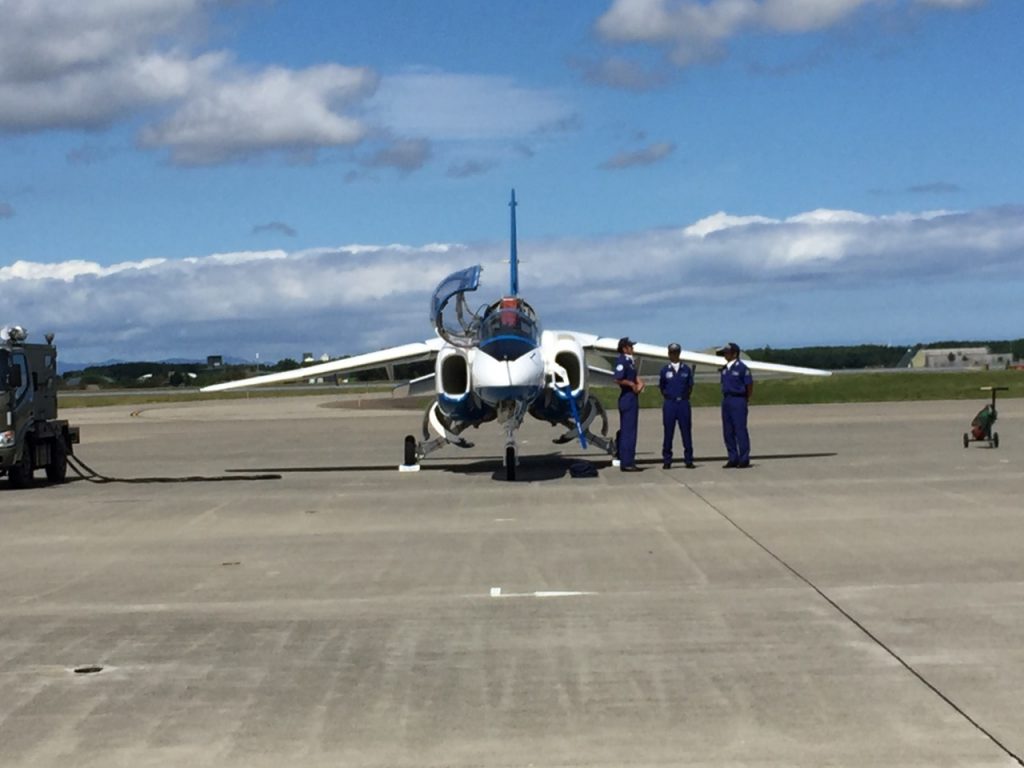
[(458, 325), (454, 285)]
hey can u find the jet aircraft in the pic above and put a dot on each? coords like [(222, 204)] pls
[(496, 363)]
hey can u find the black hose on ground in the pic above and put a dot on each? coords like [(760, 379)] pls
[(87, 473)]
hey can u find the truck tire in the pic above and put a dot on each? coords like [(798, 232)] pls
[(20, 475), (57, 469)]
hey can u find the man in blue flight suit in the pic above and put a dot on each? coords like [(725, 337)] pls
[(676, 384), (737, 387), (630, 387)]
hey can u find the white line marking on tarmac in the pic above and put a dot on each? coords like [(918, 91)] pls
[(562, 594), (496, 592)]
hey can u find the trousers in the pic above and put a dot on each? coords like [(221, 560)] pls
[(734, 429), (677, 413), (629, 416)]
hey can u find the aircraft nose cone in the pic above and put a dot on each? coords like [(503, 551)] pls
[(499, 380)]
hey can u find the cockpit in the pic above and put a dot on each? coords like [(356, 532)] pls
[(505, 330), (509, 329)]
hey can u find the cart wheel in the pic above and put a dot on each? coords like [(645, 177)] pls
[(966, 440), (995, 439)]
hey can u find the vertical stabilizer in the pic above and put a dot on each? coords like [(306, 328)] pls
[(513, 256)]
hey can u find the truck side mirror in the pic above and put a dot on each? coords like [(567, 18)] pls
[(14, 377)]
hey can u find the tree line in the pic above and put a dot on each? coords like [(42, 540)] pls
[(152, 375), (872, 355), (196, 374)]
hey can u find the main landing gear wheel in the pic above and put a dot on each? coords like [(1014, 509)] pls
[(510, 463), (409, 458), (995, 439)]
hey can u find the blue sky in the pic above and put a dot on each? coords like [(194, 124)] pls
[(190, 177)]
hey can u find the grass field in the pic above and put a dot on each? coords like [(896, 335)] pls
[(853, 388), (845, 388)]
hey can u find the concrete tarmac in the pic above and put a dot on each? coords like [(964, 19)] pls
[(854, 599)]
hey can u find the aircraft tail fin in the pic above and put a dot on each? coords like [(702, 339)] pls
[(513, 257)]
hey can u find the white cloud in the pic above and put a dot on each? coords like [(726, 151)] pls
[(87, 65), (240, 114), (697, 32), (721, 221), (827, 216), (237, 257), (444, 106), (41, 40), (95, 97), (807, 15), (694, 31), (67, 271), (361, 297), (82, 65)]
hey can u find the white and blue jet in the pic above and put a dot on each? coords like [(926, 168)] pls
[(496, 363)]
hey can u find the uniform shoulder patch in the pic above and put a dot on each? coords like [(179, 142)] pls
[(619, 367)]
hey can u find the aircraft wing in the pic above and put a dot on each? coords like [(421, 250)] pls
[(406, 353), (609, 348)]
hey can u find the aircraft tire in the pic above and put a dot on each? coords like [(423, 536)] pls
[(966, 439), (995, 439), (510, 463), (409, 458)]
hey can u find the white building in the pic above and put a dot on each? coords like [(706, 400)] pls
[(962, 357)]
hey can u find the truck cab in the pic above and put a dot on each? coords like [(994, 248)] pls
[(31, 435)]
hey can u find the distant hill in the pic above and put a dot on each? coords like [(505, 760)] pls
[(63, 367)]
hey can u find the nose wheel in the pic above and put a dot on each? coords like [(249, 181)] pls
[(511, 459)]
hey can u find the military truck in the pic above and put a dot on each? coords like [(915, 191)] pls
[(31, 435)]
